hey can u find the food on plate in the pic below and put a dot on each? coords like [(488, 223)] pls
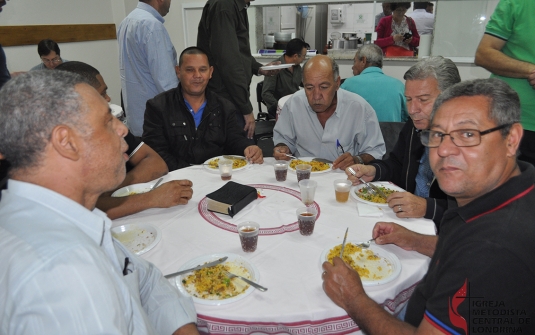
[(316, 166), (213, 284), (365, 194), (135, 239), (137, 192), (237, 163), (369, 265)]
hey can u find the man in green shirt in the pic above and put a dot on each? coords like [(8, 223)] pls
[(508, 51)]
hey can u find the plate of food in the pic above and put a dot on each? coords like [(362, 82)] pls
[(134, 189), (137, 237), (361, 193), (276, 67), (239, 163), (375, 265), (210, 286), (317, 167)]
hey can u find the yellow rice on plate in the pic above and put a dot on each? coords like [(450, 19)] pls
[(237, 163), (316, 166), (369, 265), (213, 284), (365, 194)]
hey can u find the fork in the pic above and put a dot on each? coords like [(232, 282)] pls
[(368, 186), (252, 283)]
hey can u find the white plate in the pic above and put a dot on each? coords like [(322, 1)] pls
[(137, 237), (388, 260), (309, 159), (134, 189), (276, 67), (236, 259), (221, 157), (386, 184)]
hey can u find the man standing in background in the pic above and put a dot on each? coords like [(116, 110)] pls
[(507, 50), (224, 35), (147, 59), (425, 22), (386, 12)]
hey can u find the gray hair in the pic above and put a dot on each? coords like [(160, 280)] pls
[(31, 105), (373, 54), (438, 67), (504, 101), (334, 67)]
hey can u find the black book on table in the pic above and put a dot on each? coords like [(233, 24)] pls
[(231, 198)]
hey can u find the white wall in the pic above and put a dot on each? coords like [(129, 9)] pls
[(103, 55)]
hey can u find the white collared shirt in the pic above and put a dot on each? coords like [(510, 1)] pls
[(62, 272)]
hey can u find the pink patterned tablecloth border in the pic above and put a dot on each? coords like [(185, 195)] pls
[(333, 326), (215, 220)]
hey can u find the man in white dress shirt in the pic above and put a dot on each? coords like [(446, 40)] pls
[(324, 122), (425, 22), (62, 272)]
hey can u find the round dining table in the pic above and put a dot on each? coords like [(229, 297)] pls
[(289, 264)]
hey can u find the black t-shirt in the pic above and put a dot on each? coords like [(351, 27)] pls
[(134, 143), (481, 276)]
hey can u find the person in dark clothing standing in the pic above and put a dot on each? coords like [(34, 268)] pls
[(223, 34)]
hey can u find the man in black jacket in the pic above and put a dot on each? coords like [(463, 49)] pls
[(408, 164), (190, 124)]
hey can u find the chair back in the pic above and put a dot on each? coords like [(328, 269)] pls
[(390, 131)]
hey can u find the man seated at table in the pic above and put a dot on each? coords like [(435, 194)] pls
[(408, 164), (143, 165), (62, 272), (383, 92), (49, 53), (287, 81), (482, 262), (325, 122), (189, 124)]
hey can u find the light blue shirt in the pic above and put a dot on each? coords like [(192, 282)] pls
[(353, 123), (425, 176), (197, 117), (384, 93), (147, 61), (62, 272)]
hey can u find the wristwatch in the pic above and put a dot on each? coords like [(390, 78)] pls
[(358, 159)]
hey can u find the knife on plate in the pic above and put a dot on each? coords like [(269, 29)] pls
[(322, 160), (233, 157), (343, 243), (198, 267)]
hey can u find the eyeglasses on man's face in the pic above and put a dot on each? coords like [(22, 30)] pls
[(460, 137), (53, 60)]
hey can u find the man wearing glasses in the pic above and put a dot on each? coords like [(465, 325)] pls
[(49, 52), (408, 165), (481, 271)]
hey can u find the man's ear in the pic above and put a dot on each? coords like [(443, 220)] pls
[(177, 71), (513, 139), (65, 142)]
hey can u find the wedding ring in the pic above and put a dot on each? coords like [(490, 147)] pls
[(399, 208)]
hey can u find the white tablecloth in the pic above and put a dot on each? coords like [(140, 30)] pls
[(289, 263)]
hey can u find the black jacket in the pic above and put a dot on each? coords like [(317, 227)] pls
[(223, 33), (401, 168), (169, 129)]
